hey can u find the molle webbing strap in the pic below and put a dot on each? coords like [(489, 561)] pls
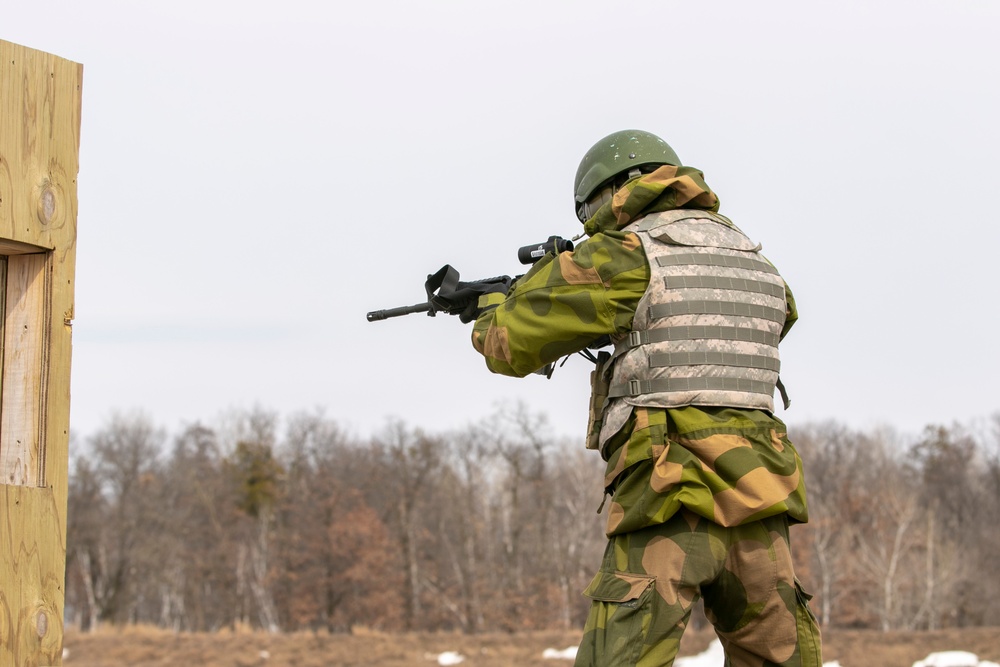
[(716, 308), (728, 261), (697, 332), (722, 282), (672, 385), (669, 359)]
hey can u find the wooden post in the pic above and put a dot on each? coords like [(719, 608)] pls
[(39, 160)]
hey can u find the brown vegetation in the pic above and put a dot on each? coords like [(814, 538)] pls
[(152, 647), (491, 529)]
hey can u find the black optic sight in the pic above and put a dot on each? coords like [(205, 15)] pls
[(530, 254)]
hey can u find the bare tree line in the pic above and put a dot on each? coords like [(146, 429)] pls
[(902, 535), (240, 525), (289, 524)]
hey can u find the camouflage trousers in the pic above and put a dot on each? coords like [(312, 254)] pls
[(651, 578)]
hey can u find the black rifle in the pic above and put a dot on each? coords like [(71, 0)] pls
[(446, 293)]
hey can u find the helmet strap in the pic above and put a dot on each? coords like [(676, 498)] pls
[(605, 192)]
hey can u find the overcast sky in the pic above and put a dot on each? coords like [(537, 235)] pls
[(256, 176)]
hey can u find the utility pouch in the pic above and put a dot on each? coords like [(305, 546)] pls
[(600, 383)]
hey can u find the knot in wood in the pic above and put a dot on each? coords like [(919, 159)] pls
[(48, 202)]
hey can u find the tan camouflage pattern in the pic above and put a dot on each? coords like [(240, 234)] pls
[(717, 470), (704, 233), (666, 189), (728, 465), (650, 580), (567, 301), (599, 387), (564, 303)]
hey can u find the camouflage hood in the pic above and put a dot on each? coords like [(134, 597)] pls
[(665, 189)]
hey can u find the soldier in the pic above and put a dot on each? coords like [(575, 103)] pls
[(702, 479)]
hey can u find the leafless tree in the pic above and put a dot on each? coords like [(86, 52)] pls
[(293, 524), (410, 462)]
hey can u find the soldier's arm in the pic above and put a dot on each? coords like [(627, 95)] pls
[(564, 303)]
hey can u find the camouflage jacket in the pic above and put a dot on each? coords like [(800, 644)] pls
[(729, 465)]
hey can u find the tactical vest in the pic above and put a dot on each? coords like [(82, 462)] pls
[(706, 331)]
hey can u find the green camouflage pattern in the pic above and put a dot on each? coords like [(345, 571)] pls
[(650, 580), (564, 303), (728, 465), (666, 189), (720, 471), (589, 292)]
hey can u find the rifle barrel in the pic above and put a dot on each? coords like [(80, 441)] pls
[(376, 315)]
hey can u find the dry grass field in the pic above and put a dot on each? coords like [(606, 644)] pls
[(150, 647)]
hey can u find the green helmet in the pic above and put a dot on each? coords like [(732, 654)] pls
[(617, 153)]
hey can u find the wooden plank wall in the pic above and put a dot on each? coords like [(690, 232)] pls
[(22, 432), (40, 105)]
